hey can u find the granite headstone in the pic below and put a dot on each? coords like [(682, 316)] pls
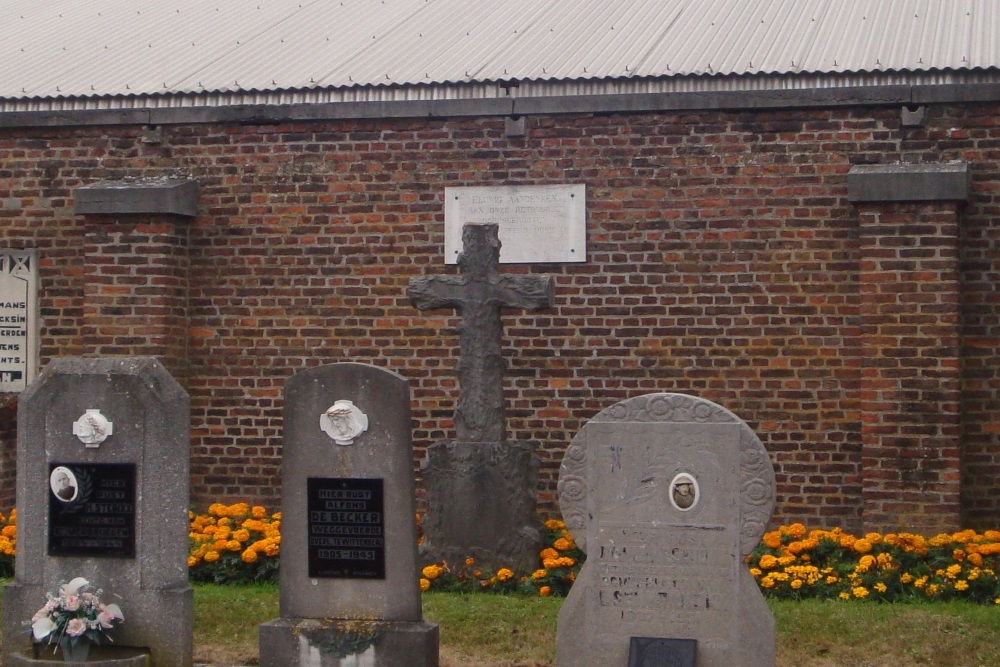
[(666, 493), (102, 462), (349, 574)]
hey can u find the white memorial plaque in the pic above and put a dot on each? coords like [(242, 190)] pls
[(18, 319), (537, 223)]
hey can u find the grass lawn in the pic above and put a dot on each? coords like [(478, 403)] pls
[(483, 630)]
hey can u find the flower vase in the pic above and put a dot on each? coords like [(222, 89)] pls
[(74, 652)]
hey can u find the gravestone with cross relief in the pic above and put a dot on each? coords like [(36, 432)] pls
[(666, 494), (349, 575), (481, 488)]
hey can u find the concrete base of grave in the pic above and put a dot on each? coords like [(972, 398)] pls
[(290, 642), (100, 656), (482, 503)]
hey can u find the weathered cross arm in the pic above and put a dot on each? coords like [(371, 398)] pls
[(528, 292), (429, 292)]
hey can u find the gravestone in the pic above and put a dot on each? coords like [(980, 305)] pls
[(481, 489), (666, 494), (350, 591), (102, 462)]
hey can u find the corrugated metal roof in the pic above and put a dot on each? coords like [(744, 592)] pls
[(68, 49)]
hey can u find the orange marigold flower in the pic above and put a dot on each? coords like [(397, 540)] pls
[(425, 584), (545, 591), (258, 512), (563, 544), (796, 530), (503, 574), (767, 561), (432, 572), (975, 559), (862, 546), (539, 574), (554, 524), (469, 562), (249, 556), (548, 553)]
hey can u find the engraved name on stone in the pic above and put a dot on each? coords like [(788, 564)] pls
[(18, 320), (537, 223)]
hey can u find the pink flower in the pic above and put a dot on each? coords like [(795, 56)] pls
[(72, 602), (76, 627)]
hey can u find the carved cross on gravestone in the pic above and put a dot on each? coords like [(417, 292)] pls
[(479, 293)]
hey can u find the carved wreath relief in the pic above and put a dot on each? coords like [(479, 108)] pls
[(92, 428), (343, 422)]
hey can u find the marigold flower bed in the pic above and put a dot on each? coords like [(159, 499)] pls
[(234, 544), (239, 543), (794, 563)]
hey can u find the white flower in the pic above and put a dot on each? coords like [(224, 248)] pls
[(73, 587), (42, 627), (109, 615)]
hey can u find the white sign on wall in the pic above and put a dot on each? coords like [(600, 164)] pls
[(18, 319), (537, 223)]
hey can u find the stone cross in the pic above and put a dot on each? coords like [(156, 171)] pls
[(479, 293)]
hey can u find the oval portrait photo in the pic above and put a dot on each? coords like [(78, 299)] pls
[(684, 492), (62, 481)]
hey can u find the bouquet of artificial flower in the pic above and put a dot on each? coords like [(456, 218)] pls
[(75, 615)]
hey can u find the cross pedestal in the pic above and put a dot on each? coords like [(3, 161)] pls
[(481, 489)]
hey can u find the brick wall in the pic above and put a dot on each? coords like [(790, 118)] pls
[(724, 260)]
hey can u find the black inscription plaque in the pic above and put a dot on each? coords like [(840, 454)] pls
[(346, 528), (92, 510), (657, 652)]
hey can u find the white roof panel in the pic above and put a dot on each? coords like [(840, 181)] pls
[(111, 48)]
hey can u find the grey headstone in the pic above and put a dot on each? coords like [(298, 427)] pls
[(377, 617), (481, 502), (666, 493), (150, 416)]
